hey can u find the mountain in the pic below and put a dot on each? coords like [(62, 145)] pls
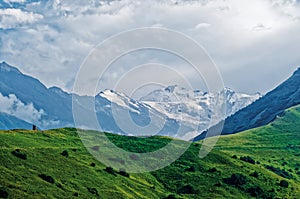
[(258, 163), (28, 99), (196, 107), (49, 108), (139, 112), (174, 98), (11, 122), (264, 110)]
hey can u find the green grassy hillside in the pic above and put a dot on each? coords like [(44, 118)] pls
[(259, 163)]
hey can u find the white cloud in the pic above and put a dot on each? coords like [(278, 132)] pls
[(14, 1), (13, 106), (261, 27), (252, 38), (202, 25), (12, 18)]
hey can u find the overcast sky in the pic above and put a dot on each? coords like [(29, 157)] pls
[(254, 43)]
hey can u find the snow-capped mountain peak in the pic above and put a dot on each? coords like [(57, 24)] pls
[(197, 107), (169, 94)]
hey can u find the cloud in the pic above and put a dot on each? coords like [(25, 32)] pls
[(202, 25), (12, 18), (50, 39), (261, 27), (13, 106), (14, 1)]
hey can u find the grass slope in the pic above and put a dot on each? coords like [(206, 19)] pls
[(55, 164)]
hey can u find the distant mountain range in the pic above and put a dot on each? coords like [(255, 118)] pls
[(262, 111), (25, 100), (197, 109), (174, 101)]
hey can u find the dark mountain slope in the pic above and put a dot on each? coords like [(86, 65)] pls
[(11, 122), (262, 111), (30, 90)]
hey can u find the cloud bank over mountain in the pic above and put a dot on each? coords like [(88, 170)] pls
[(50, 39), (13, 106)]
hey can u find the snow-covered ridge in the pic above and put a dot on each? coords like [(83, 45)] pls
[(173, 100), (193, 109), (120, 99)]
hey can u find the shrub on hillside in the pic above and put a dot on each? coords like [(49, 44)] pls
[(59, 185), (218, 184), (247, 159), (47, 178), (19, 154), (123, 173), (65, 153), (212, 170), (3, 193), (171, 196), (187, 189), (236, 180), (93, 191), (284, 183), (93, 164), (110, 170), (191, 169), (255, 191), (279, 172), (254, 174)]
